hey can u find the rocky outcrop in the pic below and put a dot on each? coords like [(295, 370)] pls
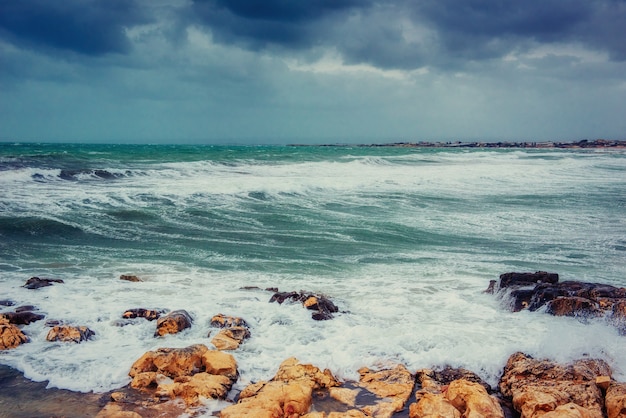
[(190, 373), (36, 282), (534, 291), (10, 335), (67, 333), (173, 323), (453, 393), (234, 331), (322, 307), (392, 387), (539, 387), (288, 394), (615, 400)]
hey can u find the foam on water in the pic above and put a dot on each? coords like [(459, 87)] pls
[(404, 242)]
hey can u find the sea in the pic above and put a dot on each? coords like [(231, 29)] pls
[(403, 240)]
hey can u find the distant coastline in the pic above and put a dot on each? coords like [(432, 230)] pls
[(585, 143)]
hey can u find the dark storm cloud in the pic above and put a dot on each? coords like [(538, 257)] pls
[(89, 27), (461, 30)]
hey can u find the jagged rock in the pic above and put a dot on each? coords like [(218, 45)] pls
[(540, 386), (130, 278), (527, 279), (173, 323), (149, 314), (288, 394), (616, 400), (191, 373), (66, 333), (21, 318), (36, 282), (230, 338), (322, 306), (394, 386), (472, 400), (224, 321), (10, 335), (572, 306)]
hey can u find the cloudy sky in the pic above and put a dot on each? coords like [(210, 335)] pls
[(283, 71)]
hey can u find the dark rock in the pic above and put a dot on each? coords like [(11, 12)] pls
[(280, 297), (491, 288), (149, 314), (323, 307), (130, 278), (224, 321), (521, 298), (527, 279), (6, 302), (66, 333), (26, 308), (21, 318), (572, 306), (173, 323), (449, 374), (36, 282)]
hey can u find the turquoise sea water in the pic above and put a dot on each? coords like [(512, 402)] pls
[(403, 240)]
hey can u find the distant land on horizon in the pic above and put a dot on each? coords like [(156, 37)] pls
[(585, 143)]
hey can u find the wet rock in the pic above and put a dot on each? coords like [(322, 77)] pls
[(149, 314), (67, 333), (224, 321), (394, 387), (173, 323), (10, 335), (190, 373), (130, 278), (6, 302), (21, 318), (230, 338), (540, 386), (616, 400), (26, 308), (322, 306), (288, 394), (36, 282), (572, 306), (527, 279)]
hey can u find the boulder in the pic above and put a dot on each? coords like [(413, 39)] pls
[(616, 400), (6, 302), (21, 318), (540, 386), (173, 323), (130, 278), (230, 338), (149, 314), (224, 321), (394, 386), (10, 335), (527, 279), (192, 373), (322, 307), (36, 282), (67, 333), (572, 306), (472, 400)]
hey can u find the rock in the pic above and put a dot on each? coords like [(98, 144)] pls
[(36, 282), (230, 338), (472, 400), (527, 279), (288, 394), (616, 400), (572, 306), (190, 373), (21, 318), (603, 382), (130, 278), (66, 333), (223, 321), (149, 314), (10, 335), (322, 306), (344, 395), (539, 386), (433, 405), (173, 323), (6, 302), (393, 385)]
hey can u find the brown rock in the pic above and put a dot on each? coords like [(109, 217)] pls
[(433, 405), (112, 410), (292, 369), (173, 323), (472, 400), (572, 306), (224, 321), (22, 317), (193, 388), (171, 362), (130, 278), (67, 333), (603, 382), (616, 400), (219, 363), (393, 385), (230, 338), (149, 314), (344, 395), (10, 335), (540, 386)]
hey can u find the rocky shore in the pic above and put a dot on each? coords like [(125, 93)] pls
[(170, 382), (585, 143)]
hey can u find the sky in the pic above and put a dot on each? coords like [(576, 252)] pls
[(316, 71)]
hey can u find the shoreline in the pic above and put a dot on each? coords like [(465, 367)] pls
[(582, 144)]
